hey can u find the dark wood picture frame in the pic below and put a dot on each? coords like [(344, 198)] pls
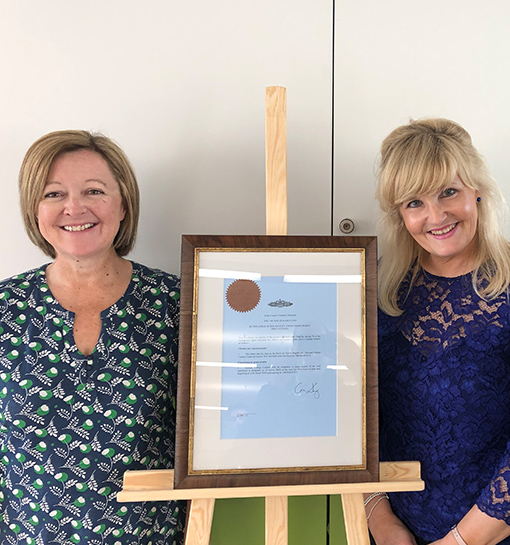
[(188, 477)]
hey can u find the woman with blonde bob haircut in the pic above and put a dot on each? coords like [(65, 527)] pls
[(36, 167), (88, 356), (444, 340)]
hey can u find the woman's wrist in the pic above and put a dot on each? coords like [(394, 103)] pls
[(373, 496), (378, 512), (480, 528), (374, 500), (456, 535)]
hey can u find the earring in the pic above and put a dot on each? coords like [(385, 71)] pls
[(479, 199)]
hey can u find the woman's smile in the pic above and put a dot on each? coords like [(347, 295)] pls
[(445, 231), (75, 228)]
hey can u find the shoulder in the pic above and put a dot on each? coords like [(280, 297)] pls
[(155, 276), (22, 293), (21, 282), (155, 282)]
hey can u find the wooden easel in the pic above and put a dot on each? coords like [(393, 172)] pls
[(157, 485)]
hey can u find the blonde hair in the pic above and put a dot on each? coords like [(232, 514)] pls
[(421, 158), (34, 173)]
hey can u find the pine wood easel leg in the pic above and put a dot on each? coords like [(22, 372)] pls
[(276, 161), (199, 522), (277, 520), (276, 224), (355, 520)]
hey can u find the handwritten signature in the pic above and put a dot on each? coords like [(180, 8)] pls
[(241, 414), (300, 389)]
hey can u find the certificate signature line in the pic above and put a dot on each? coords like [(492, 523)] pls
[(301, 389)]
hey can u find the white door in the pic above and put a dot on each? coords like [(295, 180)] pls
[(399, 59)]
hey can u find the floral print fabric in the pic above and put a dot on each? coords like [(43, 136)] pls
[(70, 425), (444, 371)]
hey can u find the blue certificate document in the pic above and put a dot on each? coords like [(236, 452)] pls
[(278, 340)]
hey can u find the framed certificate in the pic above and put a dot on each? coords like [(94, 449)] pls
[(277, 361)]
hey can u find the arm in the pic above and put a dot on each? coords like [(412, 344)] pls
[(386, 528), (477, 528), (488, 522)]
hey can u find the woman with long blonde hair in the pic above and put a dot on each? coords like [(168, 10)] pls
[(444, 339)]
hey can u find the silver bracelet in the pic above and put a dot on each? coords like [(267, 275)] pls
[(382, 495), (457, 536), (372, 496)]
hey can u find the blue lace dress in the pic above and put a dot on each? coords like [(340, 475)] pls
[(444, 371), (70, 425)]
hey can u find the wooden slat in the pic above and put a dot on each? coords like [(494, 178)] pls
[(276, 161), (157, 485), (356, 529), (399, 471), (276, 507), (200, 518), (276, 520)]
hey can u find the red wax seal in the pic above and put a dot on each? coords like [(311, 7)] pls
[(243, 295)]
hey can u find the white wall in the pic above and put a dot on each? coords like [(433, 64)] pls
[(180, 86), (398, 59)]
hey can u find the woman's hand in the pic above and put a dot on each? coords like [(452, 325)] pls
[(386, 528)]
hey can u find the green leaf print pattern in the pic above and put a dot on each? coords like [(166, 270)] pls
[(70, 425)]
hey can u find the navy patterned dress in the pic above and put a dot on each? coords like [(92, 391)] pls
[(70, 425), (444, 370)]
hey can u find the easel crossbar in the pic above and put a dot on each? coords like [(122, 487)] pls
[(157, 485)]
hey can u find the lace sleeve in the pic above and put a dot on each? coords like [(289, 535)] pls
[(495, 499)]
